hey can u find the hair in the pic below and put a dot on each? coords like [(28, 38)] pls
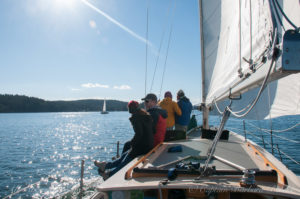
[(133, 106)]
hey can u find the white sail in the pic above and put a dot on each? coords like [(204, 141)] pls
[(104, 106), (230, 44)]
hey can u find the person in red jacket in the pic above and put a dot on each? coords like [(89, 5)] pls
[(159, 117)]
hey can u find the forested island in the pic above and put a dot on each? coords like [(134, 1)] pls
[(21, 104)]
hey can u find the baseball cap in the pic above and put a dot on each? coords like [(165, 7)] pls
[(150, 96)]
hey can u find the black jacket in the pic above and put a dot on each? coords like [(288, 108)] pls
[(142, 141), (155, 112)]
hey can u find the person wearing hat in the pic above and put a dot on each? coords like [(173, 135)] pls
[(182, 121), (140, 144), (172, 109), (159, 116)]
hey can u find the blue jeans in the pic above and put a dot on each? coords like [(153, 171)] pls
[(119, 163)]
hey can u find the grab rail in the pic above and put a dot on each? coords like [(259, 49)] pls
[(282, 177), (129, 171)]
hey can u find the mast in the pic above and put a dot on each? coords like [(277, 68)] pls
[(203, 105)]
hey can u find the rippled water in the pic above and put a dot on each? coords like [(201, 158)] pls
[(41, 153)]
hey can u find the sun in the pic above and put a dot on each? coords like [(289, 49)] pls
[(65, 4)]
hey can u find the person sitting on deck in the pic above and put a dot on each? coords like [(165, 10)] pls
[(159, 116), (172, 109), (141, 143), (181, 122)]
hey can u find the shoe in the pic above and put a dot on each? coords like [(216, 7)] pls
[(104, 175), (100, 165)]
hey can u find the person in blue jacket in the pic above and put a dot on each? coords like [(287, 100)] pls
[(182, 122)]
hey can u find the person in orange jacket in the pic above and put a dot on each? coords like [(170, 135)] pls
[(172, 109)]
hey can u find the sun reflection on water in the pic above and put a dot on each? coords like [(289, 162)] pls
[(47, 163)]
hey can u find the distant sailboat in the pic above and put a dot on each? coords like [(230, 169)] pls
[(104, 108)]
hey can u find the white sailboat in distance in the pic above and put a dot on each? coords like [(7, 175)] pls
[(104, 108)]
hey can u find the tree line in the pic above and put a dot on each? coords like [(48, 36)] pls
[(22, 103)]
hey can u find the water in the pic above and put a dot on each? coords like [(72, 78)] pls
[(41, 153)]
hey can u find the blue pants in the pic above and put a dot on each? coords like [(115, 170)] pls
[(126, 146), (119, 163)]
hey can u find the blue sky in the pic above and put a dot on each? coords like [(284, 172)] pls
[(74, 49)]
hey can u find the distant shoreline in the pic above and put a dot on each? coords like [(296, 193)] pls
[(24, 104)]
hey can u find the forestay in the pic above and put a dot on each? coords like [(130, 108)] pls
[(238, 40)]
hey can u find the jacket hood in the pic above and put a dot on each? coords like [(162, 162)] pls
[(184, 98), (159, 110), (140, 115)]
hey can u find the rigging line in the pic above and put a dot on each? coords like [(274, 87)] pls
[(284, 15), (146, 66), (270, 115), (269, 132), (160, 45), (266, 52), (211, 150), (277, 15), (283, 138), (218, 109), (274, 148), (244, 108), (169, 41), (263, 84), (295, 161), (289, 157), (240, 40), (250, 61), (276, 131), (258, 95), (165, 65), (259, 138)]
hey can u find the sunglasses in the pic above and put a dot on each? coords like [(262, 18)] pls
[(146, 101)]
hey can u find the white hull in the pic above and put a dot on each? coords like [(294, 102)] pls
[(231, 155)]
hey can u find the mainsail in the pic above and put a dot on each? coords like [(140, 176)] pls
[(238, 42)]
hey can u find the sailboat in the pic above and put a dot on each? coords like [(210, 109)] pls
[(104, 108), (250, 67)]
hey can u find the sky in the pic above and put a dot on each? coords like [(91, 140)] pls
[(95, 49)]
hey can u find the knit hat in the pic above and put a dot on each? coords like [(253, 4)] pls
[(132, 106), (180, 93), (168, 94)]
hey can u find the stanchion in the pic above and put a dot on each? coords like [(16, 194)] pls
[(81, 178)]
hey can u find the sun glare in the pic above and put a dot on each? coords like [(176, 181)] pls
[(63, 4)]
